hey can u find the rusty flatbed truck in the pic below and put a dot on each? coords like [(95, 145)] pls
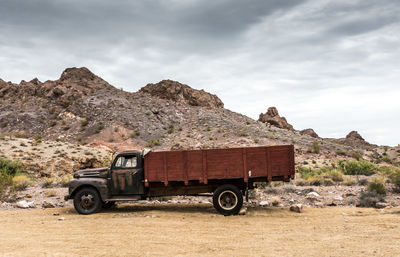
[(227, 173)]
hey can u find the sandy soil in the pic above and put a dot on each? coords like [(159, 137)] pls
[(197, 230)]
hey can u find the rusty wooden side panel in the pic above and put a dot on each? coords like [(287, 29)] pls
[(214, 164), (224, 163)]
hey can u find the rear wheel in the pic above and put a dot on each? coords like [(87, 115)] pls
[(228, 200), (87, 201)]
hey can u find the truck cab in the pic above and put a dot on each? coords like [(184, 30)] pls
[(92, 189)]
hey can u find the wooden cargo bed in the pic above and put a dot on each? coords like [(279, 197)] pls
[(262, 163)]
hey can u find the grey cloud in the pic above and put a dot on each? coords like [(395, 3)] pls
[(253, 54)]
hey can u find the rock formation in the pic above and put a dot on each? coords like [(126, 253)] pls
[(272, 117), (175, 91), (309, 132)]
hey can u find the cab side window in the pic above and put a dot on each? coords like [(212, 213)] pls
[(126, 162)]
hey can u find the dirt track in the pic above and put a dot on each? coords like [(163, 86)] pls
[(197, 230)]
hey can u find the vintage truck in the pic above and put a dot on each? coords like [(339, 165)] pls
[(227, 173)]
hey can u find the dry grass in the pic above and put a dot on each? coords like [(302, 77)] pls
[(196, 230)]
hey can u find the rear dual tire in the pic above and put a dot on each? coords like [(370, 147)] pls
[(228, 200)]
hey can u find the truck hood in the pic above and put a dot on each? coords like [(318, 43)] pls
[(97, 172)]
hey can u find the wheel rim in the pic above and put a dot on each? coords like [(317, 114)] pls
[(227, 200), (87, 201)]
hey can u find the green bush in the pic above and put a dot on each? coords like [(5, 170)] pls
[(393, 174), (354, 167), (324, 176), (315, 147), (377, 185), (10, 167), (5, 181), (21, 182), (356, 155), (84, 123), (370, 199), (153, 142)]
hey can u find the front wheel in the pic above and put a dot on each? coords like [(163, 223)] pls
[(228, 200), (87, 201)]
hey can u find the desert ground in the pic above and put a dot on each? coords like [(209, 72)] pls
[(197, 230)]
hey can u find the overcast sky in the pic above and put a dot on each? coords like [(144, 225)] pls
[(333, 66)]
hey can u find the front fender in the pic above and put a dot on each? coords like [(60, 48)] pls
[(99, 183)]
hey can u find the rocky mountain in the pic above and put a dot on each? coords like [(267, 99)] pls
[(82, 108)]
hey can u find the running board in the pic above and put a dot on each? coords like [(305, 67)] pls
[(125, 198)]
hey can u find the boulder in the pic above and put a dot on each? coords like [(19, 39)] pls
[(181, 93), (381, 205), (296, 208), (264, 203), (273, 118), (310, 132), (25, 204), (313, 194), (47, 204)]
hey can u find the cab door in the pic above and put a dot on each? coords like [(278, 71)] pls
[(126, 176)]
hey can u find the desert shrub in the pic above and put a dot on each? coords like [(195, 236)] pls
[(349, 181), (50, 193), (356, 155), (256, 140), (49, 182), (301, 182), (171, 129), (335, 175), (19, 134), (21, 182), (370, 199), (5, 182), (84, 123), (153, 142), (99, 128), (315, 147), (363, 182), (10, 167), (392, 173), (341, 152), (272, 190), (243, 134), (134, 134), (324, 176), (386, 159), (354, 167), (377, 185), (64, 181)]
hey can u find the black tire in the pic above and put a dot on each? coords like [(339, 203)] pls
[(228, 200), (87, 201), (108, 204)]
